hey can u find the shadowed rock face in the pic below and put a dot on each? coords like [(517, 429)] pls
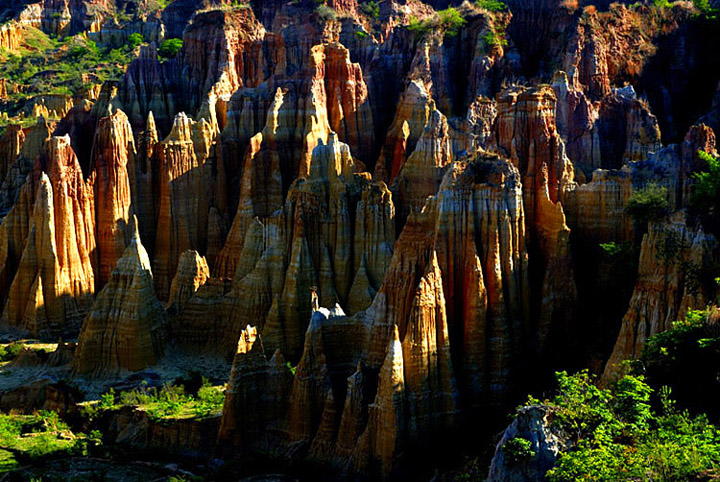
[(389, 232), (665, 287), (131, 338)]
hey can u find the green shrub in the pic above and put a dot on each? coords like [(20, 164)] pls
[(517, 451), (662, 3), (615, 436), (491, 5), (451, 21), (705, 198), (448, 21), (107, 400), (173, 401), (11, 351), (685, 358), (370, 8), (648, 204), (494, 39), (209, 400), (135, 40), (326, 13), (170, 48), (706, 9)]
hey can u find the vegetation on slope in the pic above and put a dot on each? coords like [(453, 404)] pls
[(47, 66), (651, 424), (616, 435), (167, 402), (29, 438)]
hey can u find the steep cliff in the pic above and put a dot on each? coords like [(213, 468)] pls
[(53, 283), (113, 149), (675, 260)]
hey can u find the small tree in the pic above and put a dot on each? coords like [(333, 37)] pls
[(451, 20), (170, 48), (491, 5), (648, 204), (706, 191), (135, 40)]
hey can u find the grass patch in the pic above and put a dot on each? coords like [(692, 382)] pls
[(29, 438), (167, 402)]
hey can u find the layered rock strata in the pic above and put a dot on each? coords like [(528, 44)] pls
[(130, 338)]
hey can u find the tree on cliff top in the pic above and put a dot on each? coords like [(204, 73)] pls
[(648, 204), (705, 198)]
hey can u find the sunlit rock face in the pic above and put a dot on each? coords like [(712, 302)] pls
[(388, 231)]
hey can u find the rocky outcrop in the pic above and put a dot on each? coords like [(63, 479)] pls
[(10, 146), (257, 393), (547, 178), (192, 273), (534, 424), (54, 282), (23, 164), (440, 333), (674, 262), (113, 150), (184, 196), (131, 338), (134, 428), (11, 36)]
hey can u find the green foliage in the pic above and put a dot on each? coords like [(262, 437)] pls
[(517, 451), (107, 400), (448, 21), (209, 400), (361, 34), (32, 437), (135, 40), (11, 351), (662, 3), (326, 13), (45, 65), (491, 5), (705, 197), (706, 9), (170, 401), (648, 204), (495, 39), (451, 21), (370, 8), (291, 368), (616, 436), (170, 48), (613, 249), (686, 358)]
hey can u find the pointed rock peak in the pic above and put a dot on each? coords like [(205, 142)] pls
[(420, 70), (150, 123), (272, 122), (57, 147), (135, 256), (181, 130), (332, 160), (249, 338), (277, 362), (115, 120), (192, 273)]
